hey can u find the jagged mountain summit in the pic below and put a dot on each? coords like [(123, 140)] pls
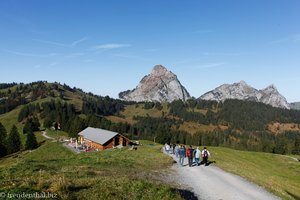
[(243, 91), (160, 85)]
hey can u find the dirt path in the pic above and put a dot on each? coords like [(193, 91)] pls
[(46, 136), (212, 183)]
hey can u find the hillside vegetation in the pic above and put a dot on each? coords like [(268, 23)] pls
[(114, 174), (233, 123)]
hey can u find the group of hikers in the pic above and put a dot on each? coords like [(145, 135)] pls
[(181, 152)]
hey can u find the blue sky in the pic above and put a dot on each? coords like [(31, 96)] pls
[(106, 47)]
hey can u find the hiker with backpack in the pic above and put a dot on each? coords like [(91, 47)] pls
[(197, 156), (190, 153), (205, 154), (181, 153)]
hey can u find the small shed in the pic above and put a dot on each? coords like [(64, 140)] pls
[(102, 139)]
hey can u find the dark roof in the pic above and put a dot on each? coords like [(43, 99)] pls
[(97, 135)]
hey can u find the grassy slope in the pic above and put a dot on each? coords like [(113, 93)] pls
[(11, 118), (276, 173), (113, 174)]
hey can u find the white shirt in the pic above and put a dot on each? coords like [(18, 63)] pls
[(204, 151), (197, 153)]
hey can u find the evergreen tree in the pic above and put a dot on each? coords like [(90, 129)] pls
[(3, 150), (14, 141), (28, 126), (296, 149), (31, 142), (31, 125)]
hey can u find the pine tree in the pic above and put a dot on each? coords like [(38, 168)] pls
[(31, 142), (28, 126), (14, 141), (3, 135)]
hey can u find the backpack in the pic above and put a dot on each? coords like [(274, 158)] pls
[(189, 152), (205, 154)]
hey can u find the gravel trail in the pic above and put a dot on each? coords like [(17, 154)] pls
[(212, 183)]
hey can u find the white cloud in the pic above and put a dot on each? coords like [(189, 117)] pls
[(30, 54), (220, 54), (73, 44), (78, 41), (112, 46)]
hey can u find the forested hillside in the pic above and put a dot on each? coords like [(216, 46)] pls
[(233, 123)]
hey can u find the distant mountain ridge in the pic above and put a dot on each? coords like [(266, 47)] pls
[(295, 105), (160, 85), (243, 91)]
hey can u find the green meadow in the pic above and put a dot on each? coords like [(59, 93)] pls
[(276, 173), (110, 174)]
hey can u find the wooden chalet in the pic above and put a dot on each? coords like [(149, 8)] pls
[(101, 139)]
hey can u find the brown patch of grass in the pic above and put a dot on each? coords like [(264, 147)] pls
[(278, 128), (116, 119), (194, 127)]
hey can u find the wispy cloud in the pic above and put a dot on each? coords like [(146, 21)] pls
[(78, 41), (112, 46), (293, 38), (220, 54), (211, 65), (280, 40), (73, 44), (30, 54)]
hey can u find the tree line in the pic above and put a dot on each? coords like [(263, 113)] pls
[(11, 143), (237, 114)]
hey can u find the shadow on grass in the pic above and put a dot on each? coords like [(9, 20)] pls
[(73, 188), (208, 163), (186, 194), (293, 195)]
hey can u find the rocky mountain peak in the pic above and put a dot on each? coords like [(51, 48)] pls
[(159, 70), (243, 91), (160, 85), (242, 82), (271, 87)]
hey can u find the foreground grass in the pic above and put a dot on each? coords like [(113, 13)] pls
[(278, 174), (113, 174)]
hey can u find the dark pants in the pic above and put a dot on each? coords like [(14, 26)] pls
[(205, 160), (190, 161)]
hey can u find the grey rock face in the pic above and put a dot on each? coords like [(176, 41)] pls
[(160, 85), (243, 91)]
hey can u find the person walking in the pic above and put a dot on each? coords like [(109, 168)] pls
[(181, 153), (205, 154), (167, 148), (190, 153), (176, 150), (197, 156)]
